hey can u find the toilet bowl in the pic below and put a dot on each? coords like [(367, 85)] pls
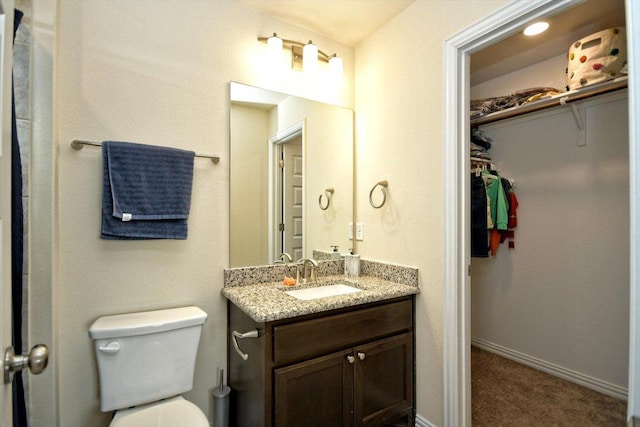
[(174, 412), (145, 362)]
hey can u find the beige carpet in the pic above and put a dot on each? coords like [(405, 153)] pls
[(507, 393)]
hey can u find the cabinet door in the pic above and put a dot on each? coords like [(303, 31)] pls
[(315, 393), (383, 383)]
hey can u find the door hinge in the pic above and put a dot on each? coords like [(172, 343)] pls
[(281, 163), (469, 270), (280, 227)]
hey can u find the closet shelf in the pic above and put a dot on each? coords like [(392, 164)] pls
[(566, 97)]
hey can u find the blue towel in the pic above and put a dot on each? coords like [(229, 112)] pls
[(146, 191)]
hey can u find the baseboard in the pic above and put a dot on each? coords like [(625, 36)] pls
[(422, 422), (553, 369), (634, 421)]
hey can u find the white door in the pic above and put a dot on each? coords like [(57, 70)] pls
[(6, 33), (286, 193), (292, 202)]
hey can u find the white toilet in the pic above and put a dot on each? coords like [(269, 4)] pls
[(145, 361)]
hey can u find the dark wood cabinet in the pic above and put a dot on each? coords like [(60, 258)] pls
[(383, 381), (315, 393), (339, 368)]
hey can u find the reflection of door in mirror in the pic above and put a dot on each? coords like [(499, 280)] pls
[(260, 122), (291, 226)]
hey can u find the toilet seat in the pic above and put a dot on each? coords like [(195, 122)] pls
[(173, 412)]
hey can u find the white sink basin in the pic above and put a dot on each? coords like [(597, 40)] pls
[(307, 294)]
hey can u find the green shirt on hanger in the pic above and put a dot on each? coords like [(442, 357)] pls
[(498, 200)]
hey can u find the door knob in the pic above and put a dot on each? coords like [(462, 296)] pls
[(36, 360), (361, 355), (351, 359)]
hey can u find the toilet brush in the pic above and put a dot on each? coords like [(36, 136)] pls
[(221, 403)]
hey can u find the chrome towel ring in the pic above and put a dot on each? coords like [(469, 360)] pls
[(383, 187), (328, 192)]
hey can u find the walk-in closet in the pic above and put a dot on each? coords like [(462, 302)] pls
[(554, 295)]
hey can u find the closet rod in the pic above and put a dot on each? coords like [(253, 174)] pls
[(77, 144), (476, 162), (477, 159)]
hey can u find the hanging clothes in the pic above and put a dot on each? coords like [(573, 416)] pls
[(499, 205), (493, 201), (479, 243), (499, 209), (493, 212), (513, 217)]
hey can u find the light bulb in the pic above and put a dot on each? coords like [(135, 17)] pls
[(335, 66), (536, 28), (309, 57), (274, 44), (274, 59)]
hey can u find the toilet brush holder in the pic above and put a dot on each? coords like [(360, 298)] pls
[(221, 396)]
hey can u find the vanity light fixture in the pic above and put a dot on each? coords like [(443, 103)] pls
[(304, 56), (536, 28)]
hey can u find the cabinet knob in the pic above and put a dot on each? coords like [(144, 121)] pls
[(361, 355), (351, 359)]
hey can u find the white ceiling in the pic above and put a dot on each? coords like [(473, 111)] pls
[(346, 21), (519, 51), (350, 21)]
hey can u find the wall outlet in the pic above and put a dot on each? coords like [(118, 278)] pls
[(350, 231), (359, 231)]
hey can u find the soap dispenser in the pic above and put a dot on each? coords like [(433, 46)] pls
[(335, 254), (352, 264)]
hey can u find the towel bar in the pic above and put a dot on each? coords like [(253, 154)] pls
[(77, 144)]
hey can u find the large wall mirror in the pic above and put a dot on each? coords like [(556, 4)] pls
[(291, 179)]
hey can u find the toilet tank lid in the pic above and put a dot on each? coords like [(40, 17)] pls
[(147, 322)]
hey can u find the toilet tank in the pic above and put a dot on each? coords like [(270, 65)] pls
[(147, 356)]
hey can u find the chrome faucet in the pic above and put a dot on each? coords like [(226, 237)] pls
[(283, 258), (309, 274)]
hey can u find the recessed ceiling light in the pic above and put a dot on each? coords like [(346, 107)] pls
[(536, 28)]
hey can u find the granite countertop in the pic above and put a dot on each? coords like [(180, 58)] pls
[(266, 302)]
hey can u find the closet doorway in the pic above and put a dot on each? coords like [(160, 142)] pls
[(458, 49), (558, 300)]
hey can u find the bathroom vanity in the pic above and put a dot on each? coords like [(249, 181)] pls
[(345, 360)]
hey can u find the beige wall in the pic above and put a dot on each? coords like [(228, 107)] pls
[(399, 127), (249, 187), (158, 73), (548, 73)]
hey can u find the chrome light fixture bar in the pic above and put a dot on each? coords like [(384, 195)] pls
[(299, 50)]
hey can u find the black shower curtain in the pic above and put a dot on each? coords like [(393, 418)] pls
[(17, 246)]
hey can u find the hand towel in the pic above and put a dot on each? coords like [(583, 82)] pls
[(146, 191)]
